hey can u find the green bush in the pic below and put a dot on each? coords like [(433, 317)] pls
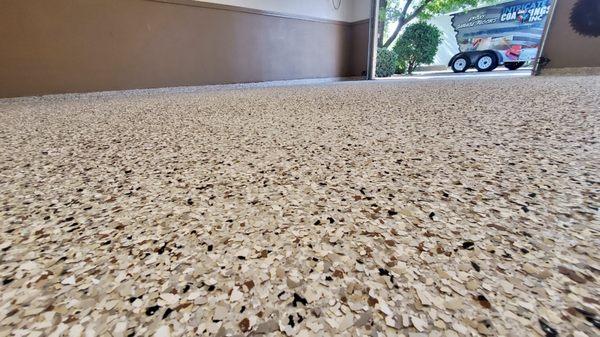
[(400, 67), (418, 45), (386, 63)]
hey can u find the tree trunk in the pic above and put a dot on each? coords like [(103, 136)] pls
[(411, 67), (405, 18), (381, 22), (395, 33)]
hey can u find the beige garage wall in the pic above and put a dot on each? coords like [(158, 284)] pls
[(60, 46), (347, 10), (566, 48)]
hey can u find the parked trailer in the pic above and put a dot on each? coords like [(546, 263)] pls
[(507, 34)]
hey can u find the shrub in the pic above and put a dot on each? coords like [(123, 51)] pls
[(386, 63), (400, 67), (418, 45)]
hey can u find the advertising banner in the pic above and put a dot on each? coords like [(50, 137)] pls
[(514, 29)]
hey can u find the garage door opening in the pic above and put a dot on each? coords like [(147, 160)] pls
[(472, 38)]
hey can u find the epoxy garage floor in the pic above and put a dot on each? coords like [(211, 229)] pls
[(428, 208)]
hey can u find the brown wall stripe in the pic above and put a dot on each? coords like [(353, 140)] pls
[(61, 46)]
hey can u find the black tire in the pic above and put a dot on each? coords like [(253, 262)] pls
[(513, 65), (457, 64), (486, 62)]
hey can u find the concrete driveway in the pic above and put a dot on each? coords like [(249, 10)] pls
[(500, 72)]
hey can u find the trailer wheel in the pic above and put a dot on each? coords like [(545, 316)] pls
[(486, 62), (513, 65), (460, 64)]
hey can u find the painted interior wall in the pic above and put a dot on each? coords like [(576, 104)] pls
[(359, 52), (349, 10), (361, 10), (564, 46), (64, 46)]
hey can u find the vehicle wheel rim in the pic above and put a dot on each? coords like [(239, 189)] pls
[(485, 62), (460, 64)]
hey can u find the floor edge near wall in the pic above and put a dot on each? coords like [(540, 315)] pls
[(570, 71), (194, 88)]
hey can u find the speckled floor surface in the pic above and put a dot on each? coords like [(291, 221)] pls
[(429, 208)]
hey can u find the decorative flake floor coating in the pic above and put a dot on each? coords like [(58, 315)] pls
[(429, 208)]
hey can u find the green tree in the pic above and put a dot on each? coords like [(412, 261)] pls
[(398, 13), (386, 63), (418, 45)]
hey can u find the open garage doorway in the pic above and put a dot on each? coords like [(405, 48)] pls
[(463, 38)]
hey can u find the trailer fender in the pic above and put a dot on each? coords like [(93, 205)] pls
[(453, 58)]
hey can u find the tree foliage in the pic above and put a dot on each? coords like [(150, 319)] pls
[(418, 45), (386, 63), (402, 12)]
